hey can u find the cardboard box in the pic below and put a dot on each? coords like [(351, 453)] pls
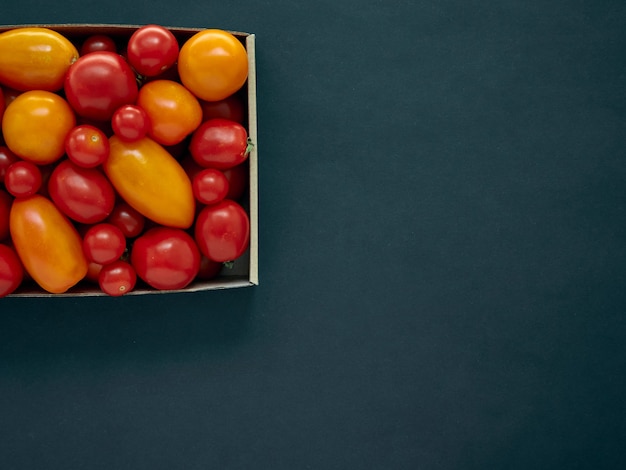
[(244, 271)]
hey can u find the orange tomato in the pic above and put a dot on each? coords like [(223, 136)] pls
[(151, 181), (213, 64), (35, 125), (173, 110), (35, 58), (47, 243)]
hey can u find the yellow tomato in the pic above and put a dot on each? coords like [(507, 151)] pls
[(213, 64), (36, 124), (47, 243), (173, 110), (151, 181), (35, 59)]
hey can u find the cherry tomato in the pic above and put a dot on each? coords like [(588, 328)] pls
[(210, 186), (213, 64), (152, 49), (148, 178), (22, 179), (42, 114), (98, 83), (117, 278), (7, 158), (130, 122), (209, 269), (173, 110), (47, 243), (222, 231), (11, 270), (237, 177), (5, 208), (103, 243), (219, 143), (229, 108), (83, 194), (165, 258), (98, 42), (87, 146), (127, 219)]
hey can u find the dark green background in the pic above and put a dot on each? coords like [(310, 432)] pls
[(442, 258)]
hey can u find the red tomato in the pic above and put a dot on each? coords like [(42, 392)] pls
[(229, 108), (93, 270), (165, 258), (152, 49), (7, 157), (209, 269), (219, 143), (222, 231), (98, 42), (11, 271), (104, 243), (98, 83), (22, 179), (87, 146), (210, 186), (237, 177), (130, 122), (83, 194), (117, 278), (127, 219), (5, 209)]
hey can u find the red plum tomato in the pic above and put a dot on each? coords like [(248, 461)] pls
[(219, 143), (165, 258)]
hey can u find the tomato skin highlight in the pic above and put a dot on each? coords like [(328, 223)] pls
[(47, 243), (151, 181)]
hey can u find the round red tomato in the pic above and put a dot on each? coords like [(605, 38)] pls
[(82, 194), (87, 146), (127, 219), (165, 258), (152, 49), (222, 231), (22, 179), (11, 270), (130, 122), (219, 143), (98, 83), (98, 42), (117, 278), (210, 186), (5, 209), (104, 243), (229, 108)]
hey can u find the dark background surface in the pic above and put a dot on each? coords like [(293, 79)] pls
[(442, 258)]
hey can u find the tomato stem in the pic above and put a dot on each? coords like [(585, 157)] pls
[(249, 147)]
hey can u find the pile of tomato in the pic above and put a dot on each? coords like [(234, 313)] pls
[(123, 161)]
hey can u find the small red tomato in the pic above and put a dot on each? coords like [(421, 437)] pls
[(219, 143), (98, 83), (152, 49), (229, 108), (104, 243), (210, 186), (127, 219), (117, 278), (11, 270), (82, 194), (130, 122), (87, 146), (5, 209), (22, 179), (165, 258), (222, 231), (98, 42), (7, 158)]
